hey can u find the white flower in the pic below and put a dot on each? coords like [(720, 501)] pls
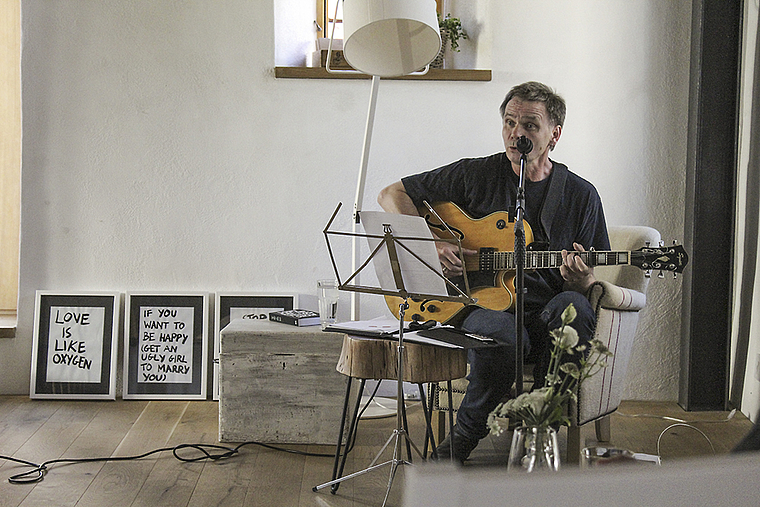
[(536, 400), (566, 338), (493, 422), (569, 314), (571, 369)]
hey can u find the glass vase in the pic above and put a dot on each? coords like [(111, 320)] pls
[(534, 449)]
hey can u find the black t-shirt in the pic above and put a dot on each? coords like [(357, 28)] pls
[(560, 210)]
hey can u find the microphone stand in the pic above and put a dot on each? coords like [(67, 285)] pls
[(524, 146)]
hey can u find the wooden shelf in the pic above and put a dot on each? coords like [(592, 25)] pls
[(432, 74)]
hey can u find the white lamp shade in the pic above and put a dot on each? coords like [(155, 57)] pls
[(389, 38)]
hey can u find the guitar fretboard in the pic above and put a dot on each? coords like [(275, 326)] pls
[(490, 260)]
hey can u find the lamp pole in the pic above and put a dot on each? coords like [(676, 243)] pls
[(358, 201)]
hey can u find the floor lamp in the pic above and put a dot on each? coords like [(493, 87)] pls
[(383, 38)]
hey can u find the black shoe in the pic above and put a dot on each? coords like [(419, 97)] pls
[(463, 446)]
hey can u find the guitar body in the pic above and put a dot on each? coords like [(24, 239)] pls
[(492, 289), (491, 273)]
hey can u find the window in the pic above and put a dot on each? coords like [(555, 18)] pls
[(326, 17), (299, 22)]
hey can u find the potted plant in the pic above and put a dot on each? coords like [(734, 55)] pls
[(451, 32)]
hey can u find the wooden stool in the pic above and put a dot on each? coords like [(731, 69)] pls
[(375, 358)]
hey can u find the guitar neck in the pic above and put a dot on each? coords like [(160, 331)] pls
[(499, 261)]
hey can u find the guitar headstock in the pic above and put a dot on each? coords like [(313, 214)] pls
[(671, 258)]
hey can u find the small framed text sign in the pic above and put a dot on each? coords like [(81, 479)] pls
[(237, 305), (74, 345), (165, 346)]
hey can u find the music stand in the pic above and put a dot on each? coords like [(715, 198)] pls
[(403, 271)]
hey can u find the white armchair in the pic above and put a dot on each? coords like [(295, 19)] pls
[(617, 298)]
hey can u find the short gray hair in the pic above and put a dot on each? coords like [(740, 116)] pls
[(533, 91)]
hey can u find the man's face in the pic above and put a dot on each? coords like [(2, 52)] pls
[(529, 119)]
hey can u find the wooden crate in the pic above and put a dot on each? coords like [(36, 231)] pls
[(278, 383)]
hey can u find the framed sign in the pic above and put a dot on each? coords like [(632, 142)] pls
[(165, 346), (74, 345), (237, 305)]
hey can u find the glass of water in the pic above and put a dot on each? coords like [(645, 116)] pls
[(328, 301)]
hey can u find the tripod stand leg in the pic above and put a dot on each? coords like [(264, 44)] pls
[(350, 476), (410, 443), (387, 443), (391, 476)]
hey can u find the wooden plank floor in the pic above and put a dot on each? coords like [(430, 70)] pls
[(41, 430)]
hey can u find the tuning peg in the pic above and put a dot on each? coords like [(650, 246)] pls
[(662, 243), (648, 273), (675, 276), (661, 275)]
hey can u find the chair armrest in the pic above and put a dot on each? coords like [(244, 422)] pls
[(612, 297)]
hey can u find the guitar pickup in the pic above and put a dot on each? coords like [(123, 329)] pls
[(486, 256)]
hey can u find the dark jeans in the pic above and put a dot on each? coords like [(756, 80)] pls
[(492, 370)]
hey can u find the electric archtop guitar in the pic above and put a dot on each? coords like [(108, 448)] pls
[(491, 272)]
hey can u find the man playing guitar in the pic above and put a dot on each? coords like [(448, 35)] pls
[(565, 212)]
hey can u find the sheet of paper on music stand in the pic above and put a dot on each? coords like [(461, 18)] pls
[(418, 278)]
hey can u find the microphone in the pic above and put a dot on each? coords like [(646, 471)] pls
[(524, 145)]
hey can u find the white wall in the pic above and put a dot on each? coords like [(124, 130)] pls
[(160, 153)]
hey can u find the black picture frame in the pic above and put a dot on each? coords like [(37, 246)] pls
[(74, 347), (163, 357), (254, 306)]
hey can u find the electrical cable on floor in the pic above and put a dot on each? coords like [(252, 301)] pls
[(207, 452), (681, 422), (211, 452), (686, 426), (676, 419)]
